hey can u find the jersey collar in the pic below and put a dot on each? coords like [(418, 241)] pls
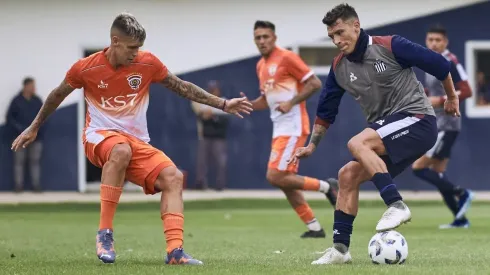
[(361, 45)]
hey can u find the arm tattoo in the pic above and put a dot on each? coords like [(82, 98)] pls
[(192, 92), (52, 102), (317, 135)]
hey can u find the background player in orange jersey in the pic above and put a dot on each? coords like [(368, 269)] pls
[(116, 82), (285, 83)]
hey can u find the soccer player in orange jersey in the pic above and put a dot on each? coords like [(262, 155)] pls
[(116, 85), (285, 83)]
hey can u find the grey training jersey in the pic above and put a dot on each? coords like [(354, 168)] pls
[(434, 87), (380, 84)]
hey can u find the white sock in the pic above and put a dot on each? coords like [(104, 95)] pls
[(314, 225), (324, 186)]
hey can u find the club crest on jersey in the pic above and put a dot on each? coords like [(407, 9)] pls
[(379, 66), (272, 70), (134, 81)]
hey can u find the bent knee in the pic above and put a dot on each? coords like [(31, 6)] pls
[(354, 143), (439, 166), (170, 178), (421, 163), (351, 176), (121, 154), (275, 177), (367, 139)]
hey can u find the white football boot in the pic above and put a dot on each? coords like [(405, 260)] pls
[(333, 256), (396, 215)]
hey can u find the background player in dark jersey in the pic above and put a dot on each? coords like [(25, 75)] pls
[(377, 72), (432, 166)]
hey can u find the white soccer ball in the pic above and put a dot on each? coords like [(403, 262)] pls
[(388, 247)]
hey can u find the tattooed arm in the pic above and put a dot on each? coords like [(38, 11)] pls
[(327, 110), (192, 92), (52, 102), (317, 135)]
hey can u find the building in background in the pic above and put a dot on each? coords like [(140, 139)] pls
[(189, 52)]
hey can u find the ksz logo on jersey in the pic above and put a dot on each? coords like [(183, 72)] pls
[(134, 81), (379, 66), (117, 102)]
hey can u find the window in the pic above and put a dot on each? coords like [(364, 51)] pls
[(318, 56), (477, 58)]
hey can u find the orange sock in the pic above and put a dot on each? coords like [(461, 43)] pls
[(109, 198), (173, 227), (311, 184), (305, 213)]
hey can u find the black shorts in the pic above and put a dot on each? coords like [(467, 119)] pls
[(444, 143), (406, 138)]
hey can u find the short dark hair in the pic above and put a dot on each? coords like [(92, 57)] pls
[(437, 28), (128, 25), (342, 11), (27, 80), (264, 25)]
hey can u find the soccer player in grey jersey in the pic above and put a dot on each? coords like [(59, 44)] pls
[(377, 72), (432, 166)]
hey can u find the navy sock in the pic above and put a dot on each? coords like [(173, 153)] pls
[(446, 188), (456, 190), (440, 181), (386, 187), (342, 228)]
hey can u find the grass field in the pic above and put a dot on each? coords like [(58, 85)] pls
[(231, 237)]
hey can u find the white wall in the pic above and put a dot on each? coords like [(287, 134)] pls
[(43, 38)]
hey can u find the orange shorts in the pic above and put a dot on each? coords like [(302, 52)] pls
[(146, 161), (283, 147)]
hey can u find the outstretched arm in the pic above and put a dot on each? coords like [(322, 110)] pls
[(260, 103), (410, 54), (191, 91), (52, 102), (460, 80)]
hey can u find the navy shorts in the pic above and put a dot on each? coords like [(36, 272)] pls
[(444, 143), (406, 138)]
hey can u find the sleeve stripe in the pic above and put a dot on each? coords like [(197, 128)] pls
[(308, 75), (462, 72)]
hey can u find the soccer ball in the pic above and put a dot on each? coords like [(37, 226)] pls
[(388, 247)]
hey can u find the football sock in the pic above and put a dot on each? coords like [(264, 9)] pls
[(109, 198), (445, 187), (386, 187), (173, 228), (306, 215), (342, 229), (313, 184)]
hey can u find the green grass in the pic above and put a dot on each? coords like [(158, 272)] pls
[(231, 237)]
